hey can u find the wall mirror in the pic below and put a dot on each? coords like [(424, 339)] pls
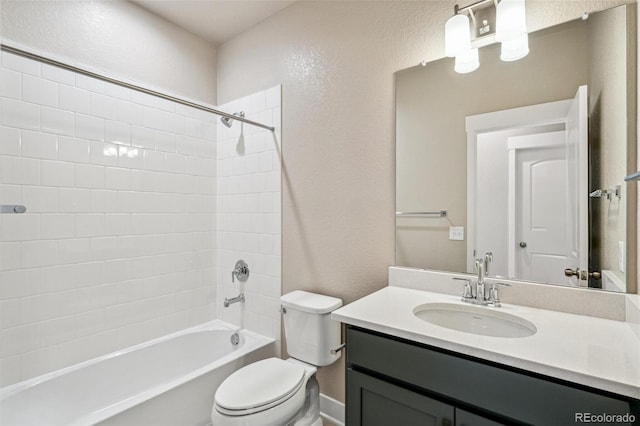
[(524, 160)]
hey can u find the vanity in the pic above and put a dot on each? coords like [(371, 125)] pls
[(402, 369)]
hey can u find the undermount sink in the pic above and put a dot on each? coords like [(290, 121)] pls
[(475, 320)]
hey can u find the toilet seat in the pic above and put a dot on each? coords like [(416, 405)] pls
[(259, 386)]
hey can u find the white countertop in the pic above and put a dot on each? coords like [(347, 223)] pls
[(600, 353)]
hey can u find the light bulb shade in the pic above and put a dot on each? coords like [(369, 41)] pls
[(511, 20), (467, 61), (515, 49), (457, 35)]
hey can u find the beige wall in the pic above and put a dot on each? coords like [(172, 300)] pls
[(336, 62), (116, 37), (432, 103), (608, 132)]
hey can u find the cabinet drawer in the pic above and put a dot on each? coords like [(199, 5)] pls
[(507, 393)]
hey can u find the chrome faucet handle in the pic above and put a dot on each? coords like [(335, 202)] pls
[(493, 293), (488, 258), (467, 291)]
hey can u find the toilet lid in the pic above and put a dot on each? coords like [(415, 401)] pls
[(259, 384)]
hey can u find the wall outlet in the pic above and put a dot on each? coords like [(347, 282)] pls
[(621, 256), (456, 233)]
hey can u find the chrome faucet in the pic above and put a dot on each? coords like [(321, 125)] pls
[(479, 297), (479, 267), (239, 298)]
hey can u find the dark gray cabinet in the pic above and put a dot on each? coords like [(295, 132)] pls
[(394, 379)]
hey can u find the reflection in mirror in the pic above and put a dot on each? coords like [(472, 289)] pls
[(512, 152)]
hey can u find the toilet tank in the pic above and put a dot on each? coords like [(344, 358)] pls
[(309, 331)]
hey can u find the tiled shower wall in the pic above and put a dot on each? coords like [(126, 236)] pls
[(249, 219), (118, 242)]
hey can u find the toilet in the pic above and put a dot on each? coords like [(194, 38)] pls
[(276, 392)]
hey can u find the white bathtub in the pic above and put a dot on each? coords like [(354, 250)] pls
[(167, 381)]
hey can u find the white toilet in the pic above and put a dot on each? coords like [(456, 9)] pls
[(274, 392)]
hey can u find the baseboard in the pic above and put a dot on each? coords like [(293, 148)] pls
[(332, 410)]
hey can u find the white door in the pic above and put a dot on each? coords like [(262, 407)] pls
[(577, 166), (541, 210)]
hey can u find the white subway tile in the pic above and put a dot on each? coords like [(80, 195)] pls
[(10, 141), (119, 133), (58, 121), (10, 313), (74, 99), (185, 145), (89, 176), (142, 137), (10, 257), (57, 173), (104, 201), (17, 340), (57, 74), (73, 150), (11, 194), (164, 104), (39, 145), (165, 141), (131, 113), (38, 253), (40, 199), (104, 106), (88, 127), (25, 171), (194, 128), (40, 361), (89, 225), (175, 163), (90, 83), (88, 347), (41, 307), (104, 154), (154, 160), (74, 250), (74, 200), (10, 370), (117, 178), (20, 114), (118, 224), (20, 63), (22, 227), (129, 157), (39, 91), (56, 226), (117, 91), (273, 97), (142, 98), (10, 84)]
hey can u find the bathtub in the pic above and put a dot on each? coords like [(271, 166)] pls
[(167, 381)]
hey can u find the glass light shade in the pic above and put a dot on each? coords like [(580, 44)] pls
[(515, 49), (511, 20), (467, 61), (457, 35)]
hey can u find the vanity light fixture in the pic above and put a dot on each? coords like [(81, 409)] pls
[(491, 20)]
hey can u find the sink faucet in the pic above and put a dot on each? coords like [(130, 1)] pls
[(239, 298), (479, 297), (479, 267)]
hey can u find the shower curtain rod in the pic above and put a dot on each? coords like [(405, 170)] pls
[(16, 51)]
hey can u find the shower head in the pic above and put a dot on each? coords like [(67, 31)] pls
[(229, 121)]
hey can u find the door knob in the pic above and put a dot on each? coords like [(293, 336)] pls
[(581, 275), (571, 273), (523, 244)]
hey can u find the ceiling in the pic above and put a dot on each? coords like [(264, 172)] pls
[(214, 20)]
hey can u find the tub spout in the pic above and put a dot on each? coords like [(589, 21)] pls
[(239, 298)]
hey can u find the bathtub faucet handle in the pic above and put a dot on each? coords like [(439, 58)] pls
[(240, 271)]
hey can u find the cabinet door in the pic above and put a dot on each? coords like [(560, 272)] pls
[(464, 418), (374, 402)]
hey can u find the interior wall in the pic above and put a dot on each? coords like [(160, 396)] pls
[(336, 62), (117, 244), (607, 136), (116, 37)]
